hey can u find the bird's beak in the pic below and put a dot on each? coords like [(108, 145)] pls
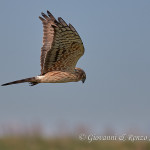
[(83, 80)]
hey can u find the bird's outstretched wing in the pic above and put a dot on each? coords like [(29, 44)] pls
[(62, 45)]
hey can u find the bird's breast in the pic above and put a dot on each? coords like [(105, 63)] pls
[(58, 77)]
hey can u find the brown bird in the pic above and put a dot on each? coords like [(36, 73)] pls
[(61, 50)]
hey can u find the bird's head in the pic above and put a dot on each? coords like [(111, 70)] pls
[(81, 74)]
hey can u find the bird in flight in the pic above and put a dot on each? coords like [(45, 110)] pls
[(61, 50)]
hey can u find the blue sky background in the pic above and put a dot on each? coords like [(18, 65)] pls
[(116, 94)]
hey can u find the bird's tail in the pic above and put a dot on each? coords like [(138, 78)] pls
[(32, 81)]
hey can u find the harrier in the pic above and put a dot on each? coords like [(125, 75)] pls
[(61, 50)]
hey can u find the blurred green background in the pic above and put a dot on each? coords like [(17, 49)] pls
[(66, 143)]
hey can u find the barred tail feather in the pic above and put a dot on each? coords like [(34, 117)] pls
[(32, 80)]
